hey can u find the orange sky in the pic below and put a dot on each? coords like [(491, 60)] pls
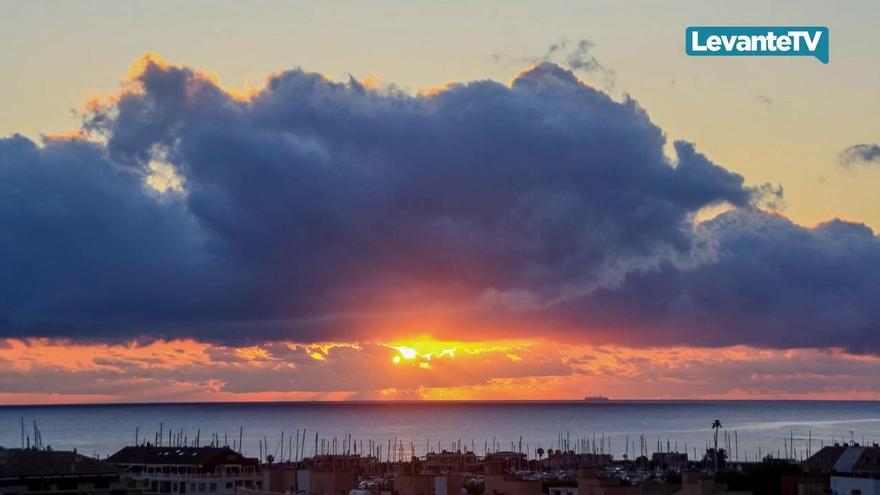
[(452, 356), (46, 371)]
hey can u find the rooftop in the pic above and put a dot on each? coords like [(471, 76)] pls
[(193, 456), (18, 463)]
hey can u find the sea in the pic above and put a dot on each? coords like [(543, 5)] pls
[(750, 429)]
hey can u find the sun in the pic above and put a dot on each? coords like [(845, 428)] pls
[(427, 353), (419, 352), (407, 353)]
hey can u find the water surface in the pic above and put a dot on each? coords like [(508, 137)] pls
[(761, 426)]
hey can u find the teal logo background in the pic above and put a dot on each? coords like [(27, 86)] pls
[(757, 41)]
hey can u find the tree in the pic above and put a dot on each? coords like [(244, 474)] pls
[(540, 452), (710, 456), (716, 425)]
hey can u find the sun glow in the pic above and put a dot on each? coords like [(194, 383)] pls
[(407, 352), (421, 351)]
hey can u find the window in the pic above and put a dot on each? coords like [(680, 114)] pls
[(213, 487)]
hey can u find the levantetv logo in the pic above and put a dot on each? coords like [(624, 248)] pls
[(776, 41)]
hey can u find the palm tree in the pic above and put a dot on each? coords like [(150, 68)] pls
[(540, 452), (716, 425)]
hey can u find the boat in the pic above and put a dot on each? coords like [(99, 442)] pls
[(596, 398)]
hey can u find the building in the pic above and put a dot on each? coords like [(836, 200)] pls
[(854, 485), (427, 484), (823, 461), (415, 479), (857, 471), (320, 482), (31, 471), (696, 483), (499, 482), (852, 469), (451, 462), (507, 458), (321, 475), (591, 482), (571, 460), (670, 460), (190, 470)]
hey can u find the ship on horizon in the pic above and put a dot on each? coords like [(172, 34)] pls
[(596, 398)]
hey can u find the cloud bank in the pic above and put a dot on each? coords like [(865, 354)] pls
[(185, 370), (313, 210)]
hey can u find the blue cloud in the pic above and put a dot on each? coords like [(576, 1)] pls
[(317, 206), (766, 281), (860, 154)]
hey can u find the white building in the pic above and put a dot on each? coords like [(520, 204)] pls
[(857, 471), (187, 470), (849, 485)]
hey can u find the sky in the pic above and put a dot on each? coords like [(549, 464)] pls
[(447, 200)]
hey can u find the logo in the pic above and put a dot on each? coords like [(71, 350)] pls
[(751, 41)]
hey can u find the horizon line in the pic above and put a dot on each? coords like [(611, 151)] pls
[(390, 402)]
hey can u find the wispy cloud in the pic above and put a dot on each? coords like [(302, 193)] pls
[(574, 55), (860, 154), (764, 99)]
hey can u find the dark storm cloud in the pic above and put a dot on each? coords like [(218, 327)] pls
[(82, 242), (315, 206), (865, 154), (771, 283)]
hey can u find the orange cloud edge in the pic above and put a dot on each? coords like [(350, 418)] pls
[(45, 371)]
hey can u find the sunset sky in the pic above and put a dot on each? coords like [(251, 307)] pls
[(297, 201)]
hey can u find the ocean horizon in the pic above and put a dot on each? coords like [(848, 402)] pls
[(752, 428)]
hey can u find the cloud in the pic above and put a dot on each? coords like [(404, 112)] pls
[(860, 154), (771, 283), (40, 371), (312, 210), (577, 56), (574, 55), (85, 241), (764, 99), (148, 371)]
